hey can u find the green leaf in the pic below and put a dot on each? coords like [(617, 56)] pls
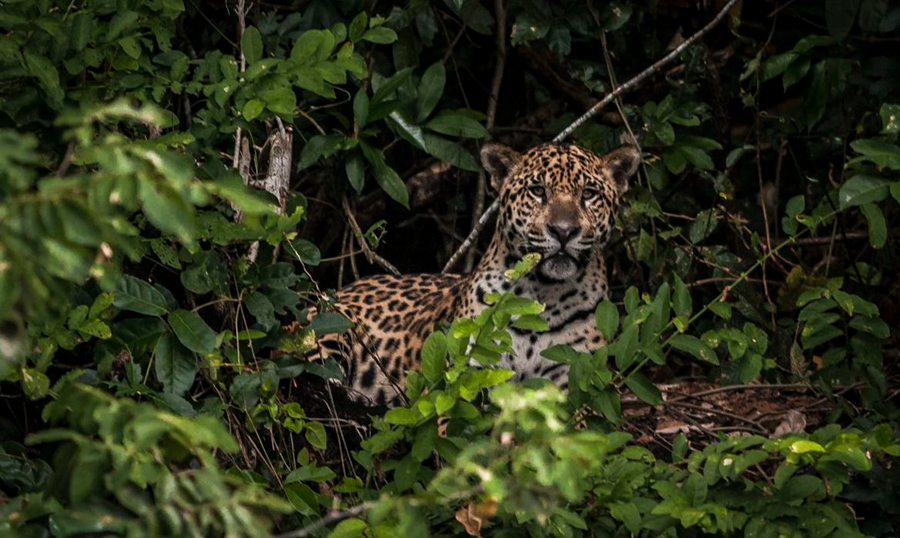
[(431, 87), (703, 226), (120, 22), (82, 27), (450, 152), (385, 176), (628, 514), (606, 315), (167, 210), (682, 302), (816, 95), (315, 434), (402, 416), (877, 225), (330, 323), (35, 385), (890, 118), (879, 152), (48, 77), (777, 65), (434, 355), (302, 497), (800, 487), (643, 388), (840, 16), (318, 147), (353, 527), (380, 35), (252, 109), (795, 73), (874, 326), (139, 296), (453, 124), (863, 189), (175, 365), (694, 346), (407, 129), (358, 26), (252, 45), (361, 108), (309, 252), (355, 167), (390, 85), (305, 47), (192, 331)]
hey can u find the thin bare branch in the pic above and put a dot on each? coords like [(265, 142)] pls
[(371, 256), (627, 86)]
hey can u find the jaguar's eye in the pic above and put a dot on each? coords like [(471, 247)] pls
[(589, 194), (537, 190)]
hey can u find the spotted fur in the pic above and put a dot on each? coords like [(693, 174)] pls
[(556, 200)]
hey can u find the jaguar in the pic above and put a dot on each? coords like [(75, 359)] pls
[(557, 200)]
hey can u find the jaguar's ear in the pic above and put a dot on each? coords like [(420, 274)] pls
[(621, 163), (499, 161)]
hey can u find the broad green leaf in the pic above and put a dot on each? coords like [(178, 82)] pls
[(694, 346), (330, 323), (606, 315), (380, 35), (450, 152), (315, 435), (795, 73), (401, 416), (431, 87), (192, 331), (302, 497), (609, 404), (682, 302), (385, 176), (139, 296), (319, 147), (879, 152), (800, 487), (175, 366), (353, 527), (361, 108), (434, 355), (167, 210), (777, 65), (305, 47), (877, 225), (840, 16), (82, 27), (643, 388), (863, 189), (120, 22), (35, 385), (252, 109), (390, 85), (251, 45), (355, 167), (890, 118), (45, 72), (703, 226), (411, 132), (358, 26), (453, 124)]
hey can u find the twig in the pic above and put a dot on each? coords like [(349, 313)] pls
[(333, 517), (473, 235), (241, 16), (372, 257), (627, 86), (499, 65), (824, 241), (640, 77)]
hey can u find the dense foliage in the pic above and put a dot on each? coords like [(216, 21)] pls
[(155, 293)]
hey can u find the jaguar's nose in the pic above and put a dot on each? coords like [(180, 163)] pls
[(563, 231)]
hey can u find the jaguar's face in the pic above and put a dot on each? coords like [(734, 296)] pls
[(558, 200)]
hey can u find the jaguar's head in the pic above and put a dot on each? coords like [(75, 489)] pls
[(558, 200)]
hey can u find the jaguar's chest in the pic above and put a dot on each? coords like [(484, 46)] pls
[(569, 313)]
